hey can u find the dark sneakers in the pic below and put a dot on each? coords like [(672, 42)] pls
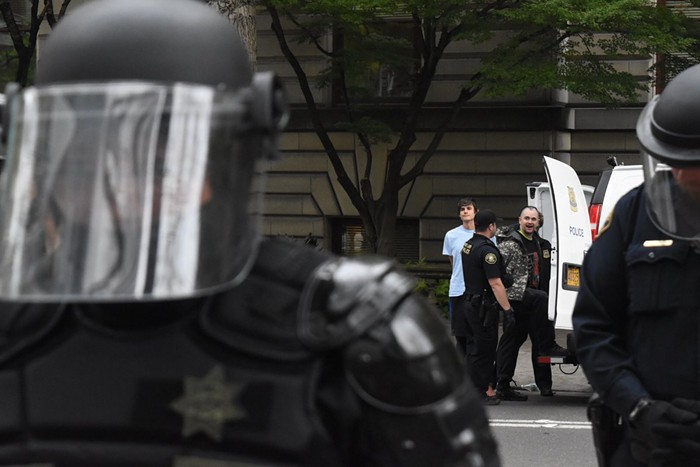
[(546, 393), (556, 351), (507, 394), (491, 400)]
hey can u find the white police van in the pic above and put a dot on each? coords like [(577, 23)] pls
[(572, 212)]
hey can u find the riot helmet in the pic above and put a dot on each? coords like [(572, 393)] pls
[(668, 130), (134, 165)]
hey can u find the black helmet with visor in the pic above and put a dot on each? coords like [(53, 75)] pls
[(134, 165), (668, 130)]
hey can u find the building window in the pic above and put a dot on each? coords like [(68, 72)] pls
[(347, 238), (378, 62)]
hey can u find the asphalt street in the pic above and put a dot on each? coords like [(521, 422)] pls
[(545, 431)]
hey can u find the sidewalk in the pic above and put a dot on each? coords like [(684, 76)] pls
[(561, 382)]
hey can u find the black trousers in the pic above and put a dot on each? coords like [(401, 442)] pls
[(530, 319), (482, 352), (461, 329)]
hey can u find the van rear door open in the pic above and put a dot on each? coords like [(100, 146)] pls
[(571, 240), (538, 196)]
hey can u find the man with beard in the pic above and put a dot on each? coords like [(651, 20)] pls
[(525, 261)]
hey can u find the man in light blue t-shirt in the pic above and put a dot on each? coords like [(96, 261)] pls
[(452, 247)]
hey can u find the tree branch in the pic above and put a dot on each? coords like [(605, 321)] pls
[(363, 138), (12, 27), (63, 9), (464, 96), (314, 37), (318, 125), (398, 154)]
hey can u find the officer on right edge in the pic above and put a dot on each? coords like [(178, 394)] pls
[(637, 316)]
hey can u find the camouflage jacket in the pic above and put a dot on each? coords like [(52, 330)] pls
[(515, 258)]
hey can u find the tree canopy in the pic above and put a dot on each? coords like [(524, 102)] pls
[(550, 44)]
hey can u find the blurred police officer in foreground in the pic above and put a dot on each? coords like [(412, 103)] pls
[(146, 322), (484, 275), (637, 317)]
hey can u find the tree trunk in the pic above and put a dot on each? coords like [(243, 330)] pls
[(241, 13), (386, 238)]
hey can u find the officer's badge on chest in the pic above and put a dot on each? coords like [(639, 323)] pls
[(208, 403)]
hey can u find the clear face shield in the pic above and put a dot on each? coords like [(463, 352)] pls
[(673, 189), (124, 191)]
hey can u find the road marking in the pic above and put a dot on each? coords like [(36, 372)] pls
[(559, 424)]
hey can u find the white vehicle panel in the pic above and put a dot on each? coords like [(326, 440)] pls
[(571, 240), (538, 196), (622, 180)]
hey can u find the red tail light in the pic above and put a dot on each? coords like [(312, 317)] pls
[(594, 214)]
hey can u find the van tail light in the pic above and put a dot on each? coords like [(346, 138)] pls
[(594, 214)]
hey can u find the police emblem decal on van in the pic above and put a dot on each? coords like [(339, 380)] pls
[(572, 199)]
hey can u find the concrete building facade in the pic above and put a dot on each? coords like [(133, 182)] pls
[(493, 148)]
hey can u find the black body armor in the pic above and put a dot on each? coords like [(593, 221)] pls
[(361, 373)]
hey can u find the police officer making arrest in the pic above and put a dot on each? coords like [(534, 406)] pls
[(637, 315), (146, 322), (484, 276)]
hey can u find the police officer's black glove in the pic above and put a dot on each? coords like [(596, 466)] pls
[(687, 404), (508, 320), (683, 435), (655, 429)]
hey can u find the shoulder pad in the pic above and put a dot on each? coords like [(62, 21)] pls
[(345, 297)]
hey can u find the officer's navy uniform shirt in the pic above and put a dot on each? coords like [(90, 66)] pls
[(637, 315), (481, 261)]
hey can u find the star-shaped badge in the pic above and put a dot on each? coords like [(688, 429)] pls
[(208, 403)]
